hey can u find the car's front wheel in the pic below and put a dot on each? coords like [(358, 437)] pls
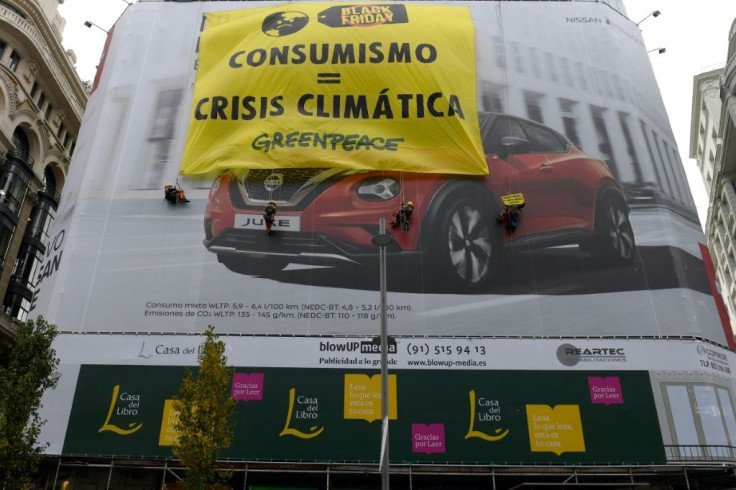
[(614, 242), (465, 242)]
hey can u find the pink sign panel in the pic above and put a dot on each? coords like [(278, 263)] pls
[(428, 438), (605, 390), (247, 386)]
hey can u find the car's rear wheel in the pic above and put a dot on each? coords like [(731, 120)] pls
[(614, 243), (465, 241)]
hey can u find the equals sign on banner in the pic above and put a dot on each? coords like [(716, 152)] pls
[(328, 78)]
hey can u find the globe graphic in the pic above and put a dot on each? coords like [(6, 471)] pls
[(284, 23)]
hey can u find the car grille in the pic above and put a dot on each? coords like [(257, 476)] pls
[(294, 180)]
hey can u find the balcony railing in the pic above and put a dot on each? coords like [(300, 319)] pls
[(22, 155), (51, 193), (701, 454)]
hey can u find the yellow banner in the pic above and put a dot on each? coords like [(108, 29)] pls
[(360, 86)]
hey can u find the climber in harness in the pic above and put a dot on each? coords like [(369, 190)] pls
[(509, 218), (401, 217), (269, 215), (174, 194)]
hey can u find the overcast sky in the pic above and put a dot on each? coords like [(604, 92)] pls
[(694, 33)]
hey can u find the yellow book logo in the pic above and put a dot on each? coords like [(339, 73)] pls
[(169, 436), (556, 430), (363, 397), (123, 411), (310, 408), (500, 432)]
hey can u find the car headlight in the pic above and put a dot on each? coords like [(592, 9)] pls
[(379, 189)]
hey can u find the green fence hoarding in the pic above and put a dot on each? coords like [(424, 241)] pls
[(332, 415)]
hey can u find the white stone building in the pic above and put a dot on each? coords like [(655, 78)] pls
[(713, 146), (42, 101)]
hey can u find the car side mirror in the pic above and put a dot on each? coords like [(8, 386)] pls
[(513, 145)]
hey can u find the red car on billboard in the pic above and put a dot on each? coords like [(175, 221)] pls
[(329, 216)]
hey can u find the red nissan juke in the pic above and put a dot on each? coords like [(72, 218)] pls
[(329, 216)]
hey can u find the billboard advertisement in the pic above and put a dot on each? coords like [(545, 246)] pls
[(451, 401), (579, 223)]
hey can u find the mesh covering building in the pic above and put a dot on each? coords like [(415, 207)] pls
[(550, 321)]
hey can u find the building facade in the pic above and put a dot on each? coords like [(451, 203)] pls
[(42, 101), (579, 359), (713, 146)]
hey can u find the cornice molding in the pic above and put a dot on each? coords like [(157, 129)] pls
[(24, 111), (39, 31), (43, 133), (12, 94), (55, 155)]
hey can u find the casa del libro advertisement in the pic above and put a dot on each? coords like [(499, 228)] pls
[(341, 113)]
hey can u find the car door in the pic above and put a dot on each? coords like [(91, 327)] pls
[(511, 172), (558, 183)]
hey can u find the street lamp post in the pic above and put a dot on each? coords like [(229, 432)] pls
[(383, 239), (90, 24), (655, 13)]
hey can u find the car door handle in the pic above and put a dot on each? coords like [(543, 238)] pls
[(545, 166)]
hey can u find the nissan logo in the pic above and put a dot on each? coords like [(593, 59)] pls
[(273, 182)]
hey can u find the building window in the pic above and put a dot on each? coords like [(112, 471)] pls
[(34, 90), (518, 57), (66, 140), (533, 102), (14, 60), (16, 306), (630, 146), (13, 187), (702, 416), (3, 45), (41, 218), (41, 100), (16, 175), (551, 68), (582, 78), (500, 52), (6, 235), (48, 112), (570, 121), (59, 131), (27, 266), (567, 72), (534, 62), (71, 150)]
